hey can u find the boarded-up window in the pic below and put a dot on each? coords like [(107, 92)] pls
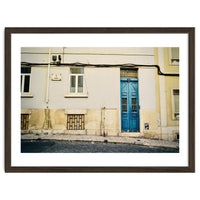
[(24, 121), (75, 122), (176, 103)]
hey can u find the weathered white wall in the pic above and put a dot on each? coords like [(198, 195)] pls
[(37, 89), (91, 55), (147, 88), (102, 86)]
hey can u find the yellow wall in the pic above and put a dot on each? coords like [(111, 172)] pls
[(157, 84), (170, 84), (168, 67), (97, 121)]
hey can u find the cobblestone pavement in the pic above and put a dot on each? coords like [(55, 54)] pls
[(108, 139), (63, 146)]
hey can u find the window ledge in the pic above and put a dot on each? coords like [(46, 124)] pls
[(174, 64), (26, 96), (75, 111), (175, 119), (76, 96)]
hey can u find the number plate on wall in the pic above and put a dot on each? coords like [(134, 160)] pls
[(56, 77)]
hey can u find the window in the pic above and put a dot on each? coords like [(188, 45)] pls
[(75, 122), (25, 80), (176, 103), (76, 80), (129, 73), (77, 84), (177, 136), (134, 105), (175, 55), (24, 121), (124, 104)]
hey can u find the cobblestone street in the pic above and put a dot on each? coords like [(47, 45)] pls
[(51, 146)]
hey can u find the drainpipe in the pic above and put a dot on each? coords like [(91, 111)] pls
[(125, 66), (102, 124), (47, 122), (48, 77)]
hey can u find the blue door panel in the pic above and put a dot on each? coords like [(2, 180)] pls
[(129, 105), (125, 123)]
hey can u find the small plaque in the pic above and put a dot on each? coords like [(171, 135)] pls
[(56, 77)]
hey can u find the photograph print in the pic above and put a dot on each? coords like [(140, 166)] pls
[(100, 99)]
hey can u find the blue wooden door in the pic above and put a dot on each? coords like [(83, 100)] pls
[(129, 105)]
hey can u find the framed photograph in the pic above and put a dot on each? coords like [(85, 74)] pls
[(100, 99)]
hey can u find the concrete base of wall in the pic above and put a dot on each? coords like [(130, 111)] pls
[(104, 121), (99, 122), (169, 133)]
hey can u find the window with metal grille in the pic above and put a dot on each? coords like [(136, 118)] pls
[(124, 104), (128, 73), (24, 121), (75, 122), (134, 105)]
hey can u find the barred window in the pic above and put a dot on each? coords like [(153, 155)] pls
[(75, 122), (134, 105), (124, 104), (24, 121)]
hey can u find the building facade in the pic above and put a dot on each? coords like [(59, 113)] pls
[(101, 91)]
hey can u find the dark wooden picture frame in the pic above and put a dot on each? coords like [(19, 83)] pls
[(191, 99)]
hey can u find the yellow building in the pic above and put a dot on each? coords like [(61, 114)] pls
[(168, 92)]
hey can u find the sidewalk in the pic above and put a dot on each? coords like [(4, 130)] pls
[(90, 138)]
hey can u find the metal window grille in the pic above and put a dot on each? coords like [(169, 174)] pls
[(24, 121), (124, 104), (76, 122), (134, 105)]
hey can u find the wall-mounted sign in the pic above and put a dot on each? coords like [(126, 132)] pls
[(56, 77)]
